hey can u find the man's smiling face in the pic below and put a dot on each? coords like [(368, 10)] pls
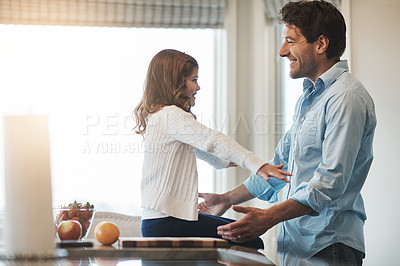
[(301, 54)]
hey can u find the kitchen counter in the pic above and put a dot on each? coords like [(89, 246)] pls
[(118, 255)]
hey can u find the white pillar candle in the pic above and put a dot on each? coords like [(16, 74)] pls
[(29, 227)]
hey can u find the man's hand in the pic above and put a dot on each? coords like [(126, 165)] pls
[(268, 170), (214, 204), (255, 223), (218, 204)]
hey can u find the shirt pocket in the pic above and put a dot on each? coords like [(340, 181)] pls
[(308, 129)]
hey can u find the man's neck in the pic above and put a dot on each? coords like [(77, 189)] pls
[(323, 67)]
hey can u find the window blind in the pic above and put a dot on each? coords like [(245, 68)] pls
[(115, 13)]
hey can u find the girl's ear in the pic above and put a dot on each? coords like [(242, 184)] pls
[(322, 44)]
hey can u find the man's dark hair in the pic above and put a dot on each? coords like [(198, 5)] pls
[(316, 18)]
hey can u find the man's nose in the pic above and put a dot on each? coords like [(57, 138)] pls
[(284, 51)]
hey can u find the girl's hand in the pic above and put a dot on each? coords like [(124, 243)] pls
[(268, 170)]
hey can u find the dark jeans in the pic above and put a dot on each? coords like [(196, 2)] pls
[(205, 226), (340, 254)]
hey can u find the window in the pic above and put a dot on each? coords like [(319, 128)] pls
[(88, 80), (289, 90)]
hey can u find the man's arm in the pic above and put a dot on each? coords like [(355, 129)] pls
[(257, 221), (218, 204)]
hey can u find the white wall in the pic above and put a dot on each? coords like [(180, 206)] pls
[(248, 112), (251, 83), (375, 55)]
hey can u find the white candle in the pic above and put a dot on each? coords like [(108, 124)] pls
[(29, 221)]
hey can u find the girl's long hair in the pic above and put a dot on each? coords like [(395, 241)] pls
[(164, 85)]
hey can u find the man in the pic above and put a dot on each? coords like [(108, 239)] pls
[(328, 150)]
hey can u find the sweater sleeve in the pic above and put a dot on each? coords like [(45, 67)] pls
[(183, 127), (213, 160)]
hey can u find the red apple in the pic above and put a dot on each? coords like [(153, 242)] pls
[(69, 230)]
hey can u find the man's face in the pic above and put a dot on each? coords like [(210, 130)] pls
[(301, 54)]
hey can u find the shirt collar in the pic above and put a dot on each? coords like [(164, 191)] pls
[(327, 78)]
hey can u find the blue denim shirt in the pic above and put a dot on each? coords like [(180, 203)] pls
[(328, 150)]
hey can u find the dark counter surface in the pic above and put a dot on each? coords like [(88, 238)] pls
[(118, 255)]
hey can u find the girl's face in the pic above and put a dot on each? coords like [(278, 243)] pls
[(192, 86)]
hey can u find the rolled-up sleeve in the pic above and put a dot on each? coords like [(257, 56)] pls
[(268, 190), (263, 189)]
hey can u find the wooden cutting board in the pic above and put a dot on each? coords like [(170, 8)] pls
[(178, 242)]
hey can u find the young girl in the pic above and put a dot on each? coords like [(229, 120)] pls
[(173, 138)]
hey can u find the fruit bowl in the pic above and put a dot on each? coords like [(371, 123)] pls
[(78, 212)]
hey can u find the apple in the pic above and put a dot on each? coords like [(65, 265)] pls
[(69, 230)]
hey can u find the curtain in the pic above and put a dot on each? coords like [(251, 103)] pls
[(115, 13), (272, 8)]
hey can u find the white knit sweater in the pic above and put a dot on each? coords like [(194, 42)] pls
[(169, 175)]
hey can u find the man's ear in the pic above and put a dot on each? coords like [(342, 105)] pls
[(322, 44)]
